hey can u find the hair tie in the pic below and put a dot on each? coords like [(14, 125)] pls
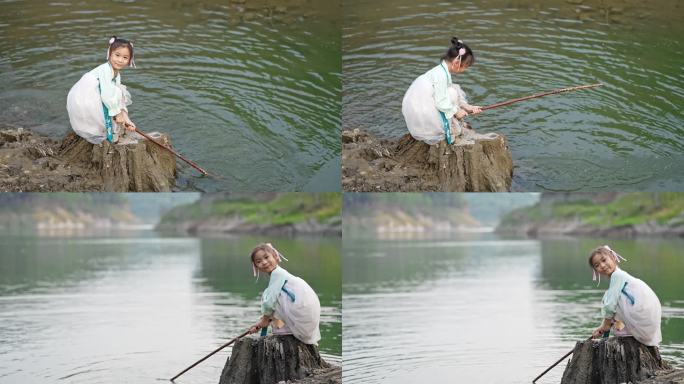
[(594, 274), (278, 254), (131, 63), (616, 256), (461, 51)]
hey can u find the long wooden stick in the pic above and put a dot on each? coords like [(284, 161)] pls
[(557, 362), (540, 95), (207, 356), (178, 155)]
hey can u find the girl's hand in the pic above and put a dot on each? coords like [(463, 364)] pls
[(130, 126), (461, 114), (603, 328), (263, 322), (598, 332), (475, 110), (119, 119)]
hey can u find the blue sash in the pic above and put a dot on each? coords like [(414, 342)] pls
[(629, 297), (289, 294), (445, 121), (107, 118)]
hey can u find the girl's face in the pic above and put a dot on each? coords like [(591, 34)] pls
[(265, 262), (456, 66), (603, 264), (120, 57)]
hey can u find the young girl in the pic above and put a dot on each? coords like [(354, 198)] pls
[(288, 302), (97, 102), (629, 305), (433, 106)]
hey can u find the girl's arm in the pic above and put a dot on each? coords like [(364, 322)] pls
[(270, 296), (464, 107), (109, 92), (610, 298)]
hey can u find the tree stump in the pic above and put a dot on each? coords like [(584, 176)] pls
[(476, 163), (270, 359), (137, 167), (612, 361), (483, 164)]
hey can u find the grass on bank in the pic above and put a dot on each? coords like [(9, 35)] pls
[(627, 209), (287, 208)]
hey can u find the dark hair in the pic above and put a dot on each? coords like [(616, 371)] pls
[(118, 43), (467, 59)]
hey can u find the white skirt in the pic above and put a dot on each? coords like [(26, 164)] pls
[(84, 106), (642, 317), (421, 116), (302, 317)]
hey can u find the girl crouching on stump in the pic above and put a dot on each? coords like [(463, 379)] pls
[(433, 106), (629, 305), (97, 103), (288, 303)]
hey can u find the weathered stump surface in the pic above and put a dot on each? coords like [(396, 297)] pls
[(269, 360), (138, 167), (613, 360), (478, 163)]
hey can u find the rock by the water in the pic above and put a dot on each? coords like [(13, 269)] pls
[(612, 361), (475, 163), (276, 358)]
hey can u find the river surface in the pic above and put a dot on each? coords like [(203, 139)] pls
[(626, 135), (248, 90), (482, 309), (139, 308)]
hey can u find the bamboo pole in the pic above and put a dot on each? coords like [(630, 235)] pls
[(207, 356), (178, 155), (497, 105)]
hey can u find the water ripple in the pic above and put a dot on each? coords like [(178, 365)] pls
[(521, 49)]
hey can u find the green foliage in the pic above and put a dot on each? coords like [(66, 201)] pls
[(278, 209), (625, 209)]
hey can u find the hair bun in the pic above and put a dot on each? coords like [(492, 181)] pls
[(456, 42)]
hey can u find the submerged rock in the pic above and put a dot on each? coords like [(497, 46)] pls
[(277, 358), (615, 360), (477, 163)]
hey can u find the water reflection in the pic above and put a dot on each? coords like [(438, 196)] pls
[(484, 309), (627, 133), (262, 77)]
